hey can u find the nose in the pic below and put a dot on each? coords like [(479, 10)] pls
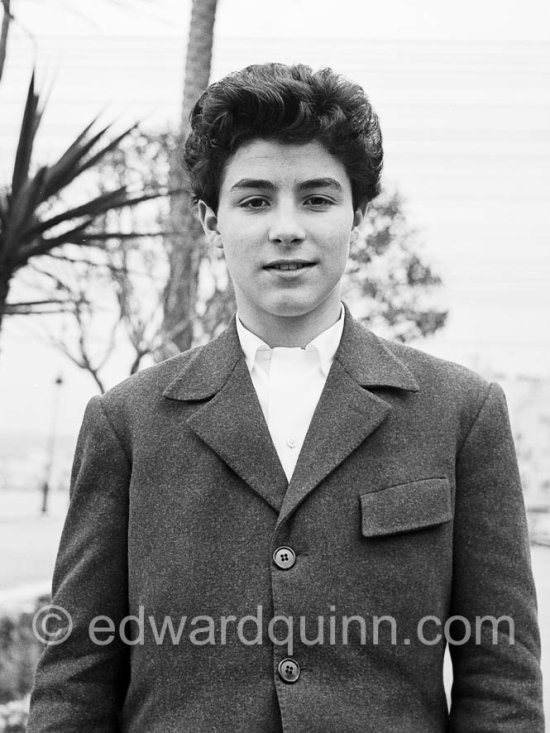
[(285, 227)]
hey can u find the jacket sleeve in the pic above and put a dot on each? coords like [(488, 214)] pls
[(497, 684), (80, 685)]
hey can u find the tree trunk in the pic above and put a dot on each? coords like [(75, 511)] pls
[(186, 246), (4, 32), (4, 290)]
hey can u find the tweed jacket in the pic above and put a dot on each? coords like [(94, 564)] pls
[(404, 514)]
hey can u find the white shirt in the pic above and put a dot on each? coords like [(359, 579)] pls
[(289, 382)]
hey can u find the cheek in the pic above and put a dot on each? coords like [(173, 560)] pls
[(239, 256), (232, 242), (337, 247), (236, 245)]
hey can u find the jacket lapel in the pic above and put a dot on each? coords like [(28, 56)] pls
[(347, 412), (231, 421)]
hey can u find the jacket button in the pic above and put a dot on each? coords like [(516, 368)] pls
[(284, 557), (289, 670)]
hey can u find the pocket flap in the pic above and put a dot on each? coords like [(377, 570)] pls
[(406, 507)]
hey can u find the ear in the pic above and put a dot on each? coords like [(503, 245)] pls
[(209, 221), (358, 216)]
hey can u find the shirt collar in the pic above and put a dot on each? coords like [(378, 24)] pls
[(325, 344)]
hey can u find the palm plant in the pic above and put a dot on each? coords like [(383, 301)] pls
[(32, 220)]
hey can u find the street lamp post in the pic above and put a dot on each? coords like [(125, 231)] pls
[(51, 444)]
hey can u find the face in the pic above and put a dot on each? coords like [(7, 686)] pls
[(284, 221)]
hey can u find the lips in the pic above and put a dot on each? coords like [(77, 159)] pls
[(288, 265)]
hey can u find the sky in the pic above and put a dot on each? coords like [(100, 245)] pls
[(469, 20), (463, 93)]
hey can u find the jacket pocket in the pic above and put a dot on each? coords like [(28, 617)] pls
[(406, 507)]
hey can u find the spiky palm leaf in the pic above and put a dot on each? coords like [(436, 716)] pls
[(26, 231)]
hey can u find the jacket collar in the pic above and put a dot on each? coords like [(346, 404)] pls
[(208, 367), (369, 361), (364, 356)]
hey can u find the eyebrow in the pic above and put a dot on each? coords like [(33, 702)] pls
[(256, 183), (253, 183)]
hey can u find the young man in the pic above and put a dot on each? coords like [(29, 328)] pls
[(299, 515)]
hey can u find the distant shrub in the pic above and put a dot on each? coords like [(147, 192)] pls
[(19, 654), (13, 716)]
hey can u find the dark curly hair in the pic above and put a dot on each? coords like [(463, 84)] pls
[(290, 104)]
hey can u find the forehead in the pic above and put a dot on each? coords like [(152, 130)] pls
[(282, 163)]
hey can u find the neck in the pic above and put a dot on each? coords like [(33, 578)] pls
[(290, 331)]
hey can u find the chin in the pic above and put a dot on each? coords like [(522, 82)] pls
[(291, 309)]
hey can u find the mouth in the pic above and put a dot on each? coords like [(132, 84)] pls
[(288, 265)]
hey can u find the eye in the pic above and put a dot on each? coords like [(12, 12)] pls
[(256, 202), (318, 202)]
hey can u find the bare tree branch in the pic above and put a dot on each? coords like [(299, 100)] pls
[(83, 358), (79, 362), (34, 307), (110, 266)]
